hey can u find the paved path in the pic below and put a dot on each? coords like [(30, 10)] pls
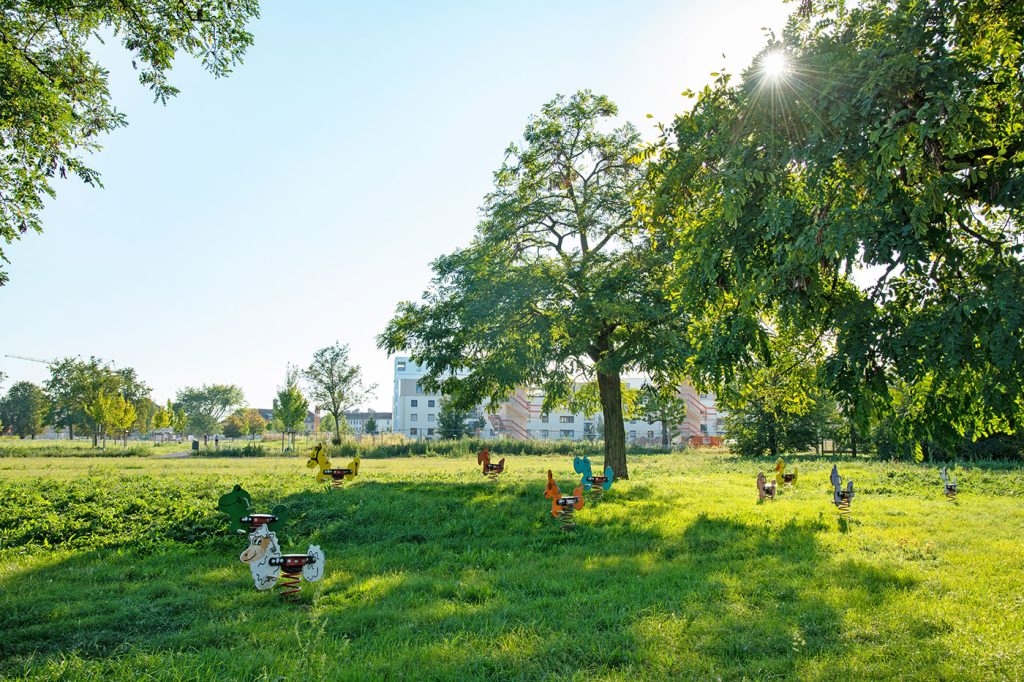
[(176, 455)]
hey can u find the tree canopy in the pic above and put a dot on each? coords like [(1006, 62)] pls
[(74, 385), (561, 281), (892, 141), (334, 384), (23, 409), (290, 406), (207, 405), (54, 97)]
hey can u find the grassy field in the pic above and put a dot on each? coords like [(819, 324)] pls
[(122, 569)]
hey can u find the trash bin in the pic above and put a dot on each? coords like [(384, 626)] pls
[(195, 445)]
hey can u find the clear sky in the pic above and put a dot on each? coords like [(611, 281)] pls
[(257, 218)]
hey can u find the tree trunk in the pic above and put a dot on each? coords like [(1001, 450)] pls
[(610, 386), (773, 440), (665, 429)]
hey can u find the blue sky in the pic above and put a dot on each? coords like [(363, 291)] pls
[(257, 218)]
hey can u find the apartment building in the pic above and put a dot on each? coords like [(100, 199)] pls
[(357, 420), (415, 414)]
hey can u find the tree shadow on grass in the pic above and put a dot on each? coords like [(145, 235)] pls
[(459, 580)]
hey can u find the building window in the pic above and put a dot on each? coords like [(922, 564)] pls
[(632, 435), (412, 431), (650, 434), (430, 403), (566, 433), (430, 417), (566, 419), (544, 433), (492, 432), (430, 432), (419, 389), (414, 417), (544, 419), (414, 403), (400, 366), (703, 428)]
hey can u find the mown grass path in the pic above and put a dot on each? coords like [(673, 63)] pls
[(122, 569)]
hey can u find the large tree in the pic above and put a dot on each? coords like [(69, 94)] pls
[(23, 409), (335, 384), (54, 98), (561, 282), (886, 135), (207, 405)]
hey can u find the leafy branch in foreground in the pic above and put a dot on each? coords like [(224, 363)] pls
[(54, 96)]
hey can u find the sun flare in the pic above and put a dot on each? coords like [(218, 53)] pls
[(774, 64)]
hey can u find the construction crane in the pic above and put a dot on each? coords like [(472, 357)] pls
[(25, 357), (50, 362)]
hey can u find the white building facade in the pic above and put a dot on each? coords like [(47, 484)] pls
[(357, 420), (415, 414)]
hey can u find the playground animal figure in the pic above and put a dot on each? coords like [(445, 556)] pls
[(841, 498), (563, 507), (781, 477), (319, 460), (596, 484), (267, 563), (491, 471), (238, 506), (765, 488), (950, 485), (262, 548)]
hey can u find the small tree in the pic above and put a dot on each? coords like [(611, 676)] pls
[(290, 406), (163, 416), (451, 421), (121, 415), (235, 425), (255, 424), (334, 384), (341, 427), (145, 420), (24, 409), (180, 422), (776, 402), (660, 402), (370, 426)]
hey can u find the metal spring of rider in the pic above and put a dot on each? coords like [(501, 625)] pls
[(290, 585), (844, 507), (567, 517), (596, 493), (951, 492), (492, 475)]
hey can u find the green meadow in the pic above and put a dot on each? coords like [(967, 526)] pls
[(121, 568)]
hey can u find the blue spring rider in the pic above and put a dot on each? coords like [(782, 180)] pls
[(596, 485)]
